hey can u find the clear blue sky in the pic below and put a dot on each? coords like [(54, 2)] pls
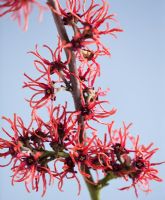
[(135, 74)]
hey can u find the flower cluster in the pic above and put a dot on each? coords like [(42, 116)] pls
[(118, 155), (88, 24), (68, 142)]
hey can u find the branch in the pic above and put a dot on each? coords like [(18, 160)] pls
[(76, 93), (72, 64)]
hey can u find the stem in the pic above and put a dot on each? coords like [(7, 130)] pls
[(76, 93), (94, 191), (72, 65)]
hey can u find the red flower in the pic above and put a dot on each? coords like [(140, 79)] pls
[(55, 65), (20, 9), (68, 172), (92, 108), (88, 72), (72, 6), (45, 91), (82, 155), (94, 18), (62, 126), (19, 133), (27, 168), (40, 135), (13, 148)]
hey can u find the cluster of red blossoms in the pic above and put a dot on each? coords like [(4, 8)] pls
[(68, 141)]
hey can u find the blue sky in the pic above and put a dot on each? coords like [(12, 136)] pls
[(135, 74)]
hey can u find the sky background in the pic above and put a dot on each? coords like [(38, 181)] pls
[(135, 74)]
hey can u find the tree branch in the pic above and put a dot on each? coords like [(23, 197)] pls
[(76, 93)]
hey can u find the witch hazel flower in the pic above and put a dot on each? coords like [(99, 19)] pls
[(39, 135), (95, 18), (46, 89), (20, 10), (88, 74), (66, 13), (63, 126), (81, 154), (18, 134), (27, 168), (88, 68), (55, 65), (68, 171), (92, 107)]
